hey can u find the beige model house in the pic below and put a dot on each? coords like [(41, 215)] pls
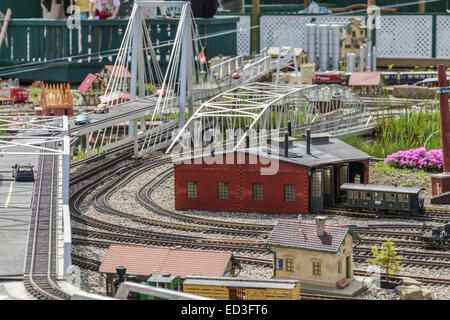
[(314, 253), (355, 37)]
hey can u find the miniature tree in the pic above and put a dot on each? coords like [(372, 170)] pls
[(386, 259)]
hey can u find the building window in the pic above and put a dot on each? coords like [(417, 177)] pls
[(317, 268), (327, 181), (340, 266), (191, 189), (279, 264), (257, 189), (317, 184), (343, 173), (289, 192), (354, 34), (289, 264), (222, 190)]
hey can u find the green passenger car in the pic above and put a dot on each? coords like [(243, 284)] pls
[(165, 281), (382, 199)]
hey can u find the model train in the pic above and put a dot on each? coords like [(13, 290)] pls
[(437, 237), (389, 77), (382, 199)]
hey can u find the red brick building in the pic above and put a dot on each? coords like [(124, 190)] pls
[(304, 181)]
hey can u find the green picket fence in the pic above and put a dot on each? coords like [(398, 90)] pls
[(39, 49)]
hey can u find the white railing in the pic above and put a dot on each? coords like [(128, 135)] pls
[(256, 68), (226, 68)]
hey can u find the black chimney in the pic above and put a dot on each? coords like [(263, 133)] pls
[(308, 141), (121, 271), (286, 145)]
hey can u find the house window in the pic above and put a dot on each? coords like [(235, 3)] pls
[(257, 189), (289, 264), (191, 189), (279, 264), (340, 266), (222, 190), (317, 268), (354, 34), (289, 192), (348, 46)]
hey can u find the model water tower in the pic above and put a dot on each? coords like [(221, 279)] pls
[(440, 183)]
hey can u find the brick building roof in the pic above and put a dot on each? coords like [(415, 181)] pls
[(120, 71), (287, 233), (146, 260)]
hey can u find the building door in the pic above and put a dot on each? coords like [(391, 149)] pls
[(328, 186), (342, 177), (347, 267), (356, 172), (316, 190)]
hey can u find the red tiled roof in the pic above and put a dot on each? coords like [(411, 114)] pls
[(120, 71), (87, 82), (365, 79), (287, 234), (146, 260)]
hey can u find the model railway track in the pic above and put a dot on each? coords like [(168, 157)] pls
[(410, 257), (101, 203), (86, 263), (441, 217), (40, 273), (167, 240)]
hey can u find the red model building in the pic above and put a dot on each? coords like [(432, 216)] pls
[(308, 178), (440, 183)]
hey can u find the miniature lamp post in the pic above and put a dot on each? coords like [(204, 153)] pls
[(440, 183)]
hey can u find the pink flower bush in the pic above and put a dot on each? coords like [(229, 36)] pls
[(420, 158)]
